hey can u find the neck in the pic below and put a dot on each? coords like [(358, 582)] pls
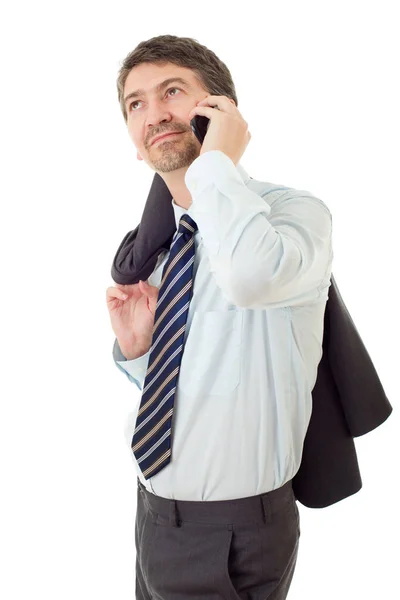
[(176, 184)]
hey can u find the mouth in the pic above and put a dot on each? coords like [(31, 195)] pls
[(166, 136)]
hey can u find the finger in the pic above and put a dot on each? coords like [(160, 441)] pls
[(148, 289), (205, 111), (217, 101), (126, 286), (113, 292)]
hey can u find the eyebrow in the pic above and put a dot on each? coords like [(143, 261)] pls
[(158, 87)]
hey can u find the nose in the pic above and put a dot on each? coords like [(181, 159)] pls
[(157, 114)]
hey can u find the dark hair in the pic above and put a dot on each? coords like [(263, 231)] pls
[(208, 69)]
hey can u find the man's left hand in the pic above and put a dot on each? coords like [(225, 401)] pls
[(228, 131)]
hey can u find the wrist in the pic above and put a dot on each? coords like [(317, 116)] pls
[(130, 353)]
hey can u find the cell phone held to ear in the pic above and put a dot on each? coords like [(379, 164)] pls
[(199, 125)]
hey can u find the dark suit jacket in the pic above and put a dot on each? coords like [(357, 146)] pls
[(348, 397)]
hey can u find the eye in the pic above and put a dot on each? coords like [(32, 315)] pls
[(136, 101), (132, 103)]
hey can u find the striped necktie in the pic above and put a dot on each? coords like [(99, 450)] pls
[(151, 442)]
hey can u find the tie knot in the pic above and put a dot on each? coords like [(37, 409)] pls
[(187, 225)]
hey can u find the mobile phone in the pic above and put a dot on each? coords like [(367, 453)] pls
[(199, 125)]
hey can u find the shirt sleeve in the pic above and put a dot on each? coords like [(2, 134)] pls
[(262, 255), (134, 369)]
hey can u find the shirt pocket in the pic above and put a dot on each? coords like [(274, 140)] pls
[(212, 353)]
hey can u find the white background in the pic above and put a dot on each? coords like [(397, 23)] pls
[(317, 83)]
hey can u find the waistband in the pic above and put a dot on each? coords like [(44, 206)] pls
[(251, 509)]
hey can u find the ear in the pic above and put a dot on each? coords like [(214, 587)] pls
[(138, 156)]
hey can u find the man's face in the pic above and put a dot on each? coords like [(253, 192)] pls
[(153, 112)]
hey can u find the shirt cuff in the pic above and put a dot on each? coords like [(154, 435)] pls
[(212, 167), (135, 368)]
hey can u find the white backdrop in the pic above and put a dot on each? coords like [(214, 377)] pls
[(318, 84)]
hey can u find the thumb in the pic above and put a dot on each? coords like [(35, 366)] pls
[(150, 290)]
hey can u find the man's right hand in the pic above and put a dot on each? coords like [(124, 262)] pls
[(132, 308)]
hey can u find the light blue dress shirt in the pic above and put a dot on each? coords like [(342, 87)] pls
[(253, 339)]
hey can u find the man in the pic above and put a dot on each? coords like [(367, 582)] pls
[(224, 342)]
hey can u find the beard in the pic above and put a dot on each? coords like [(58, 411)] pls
[(174, 154)]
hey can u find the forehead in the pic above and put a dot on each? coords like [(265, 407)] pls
[(146, 76)]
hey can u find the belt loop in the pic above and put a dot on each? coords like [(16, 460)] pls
[(266, 508), (173, 514)]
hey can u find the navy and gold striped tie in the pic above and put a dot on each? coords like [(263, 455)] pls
[(151, 442)]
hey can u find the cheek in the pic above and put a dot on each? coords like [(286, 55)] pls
[(136, 139)]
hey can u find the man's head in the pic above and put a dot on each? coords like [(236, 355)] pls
[(160, 106)]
